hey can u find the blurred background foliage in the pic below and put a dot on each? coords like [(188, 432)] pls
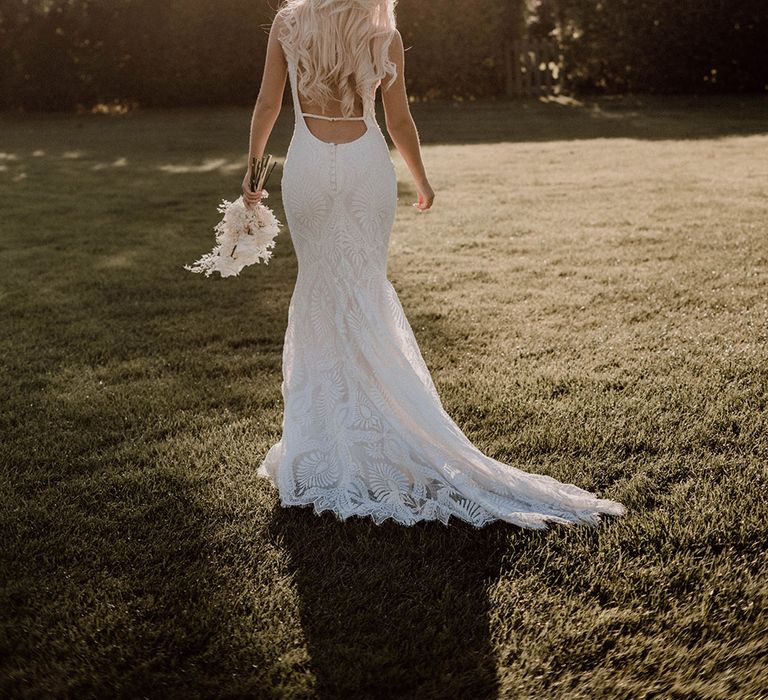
[(64, 54)]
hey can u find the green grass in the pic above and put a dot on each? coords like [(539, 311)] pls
[(590, 292)]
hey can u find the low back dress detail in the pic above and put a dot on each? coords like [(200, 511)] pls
[(364, 431)]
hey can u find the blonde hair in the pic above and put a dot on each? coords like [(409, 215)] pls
[(339, 43)]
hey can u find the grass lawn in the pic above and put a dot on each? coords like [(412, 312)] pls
[(590, 292)]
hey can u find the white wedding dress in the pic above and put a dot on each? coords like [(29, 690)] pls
[(364, 432)]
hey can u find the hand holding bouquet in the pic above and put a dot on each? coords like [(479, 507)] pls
[(246, 233)]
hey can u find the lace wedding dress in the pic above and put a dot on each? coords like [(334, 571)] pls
[(364, 432)]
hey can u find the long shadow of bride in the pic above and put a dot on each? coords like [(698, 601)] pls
[(393, 611)]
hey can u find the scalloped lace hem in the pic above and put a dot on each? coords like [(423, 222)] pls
[(338, 502)]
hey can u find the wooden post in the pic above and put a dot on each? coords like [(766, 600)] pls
[(509, 69), (536, 55), (525, 76), (546, 56), (513, 13)]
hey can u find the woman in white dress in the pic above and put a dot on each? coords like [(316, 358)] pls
[(364, 432)]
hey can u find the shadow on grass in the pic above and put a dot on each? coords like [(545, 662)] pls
[(120, 594), (128, 575), (390, 611)]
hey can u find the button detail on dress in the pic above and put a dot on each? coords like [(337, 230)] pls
[(333, 166)]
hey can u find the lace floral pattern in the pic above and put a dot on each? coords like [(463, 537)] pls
[(364, 431)]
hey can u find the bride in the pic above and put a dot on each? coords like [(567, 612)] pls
[(364, 431)]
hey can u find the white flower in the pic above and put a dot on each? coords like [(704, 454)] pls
[(235, 216), (243, 236)]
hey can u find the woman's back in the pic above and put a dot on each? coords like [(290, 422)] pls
[(332, 125)]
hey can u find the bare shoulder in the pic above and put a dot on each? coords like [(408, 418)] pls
[(279, 29), (279, 22), (396, 42), (395, 51)]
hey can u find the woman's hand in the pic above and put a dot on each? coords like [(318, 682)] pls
[(251, 199), (426, 196)]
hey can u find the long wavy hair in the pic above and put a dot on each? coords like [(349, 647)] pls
[(340, 48)]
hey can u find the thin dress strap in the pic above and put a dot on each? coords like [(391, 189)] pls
[(330, 119)]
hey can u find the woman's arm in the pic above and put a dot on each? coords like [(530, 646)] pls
[(401, 127), (267, 107)]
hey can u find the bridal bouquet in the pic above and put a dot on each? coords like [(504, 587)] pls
[(245, 235)]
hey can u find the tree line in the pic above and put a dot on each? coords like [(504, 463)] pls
[(62, 54)]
